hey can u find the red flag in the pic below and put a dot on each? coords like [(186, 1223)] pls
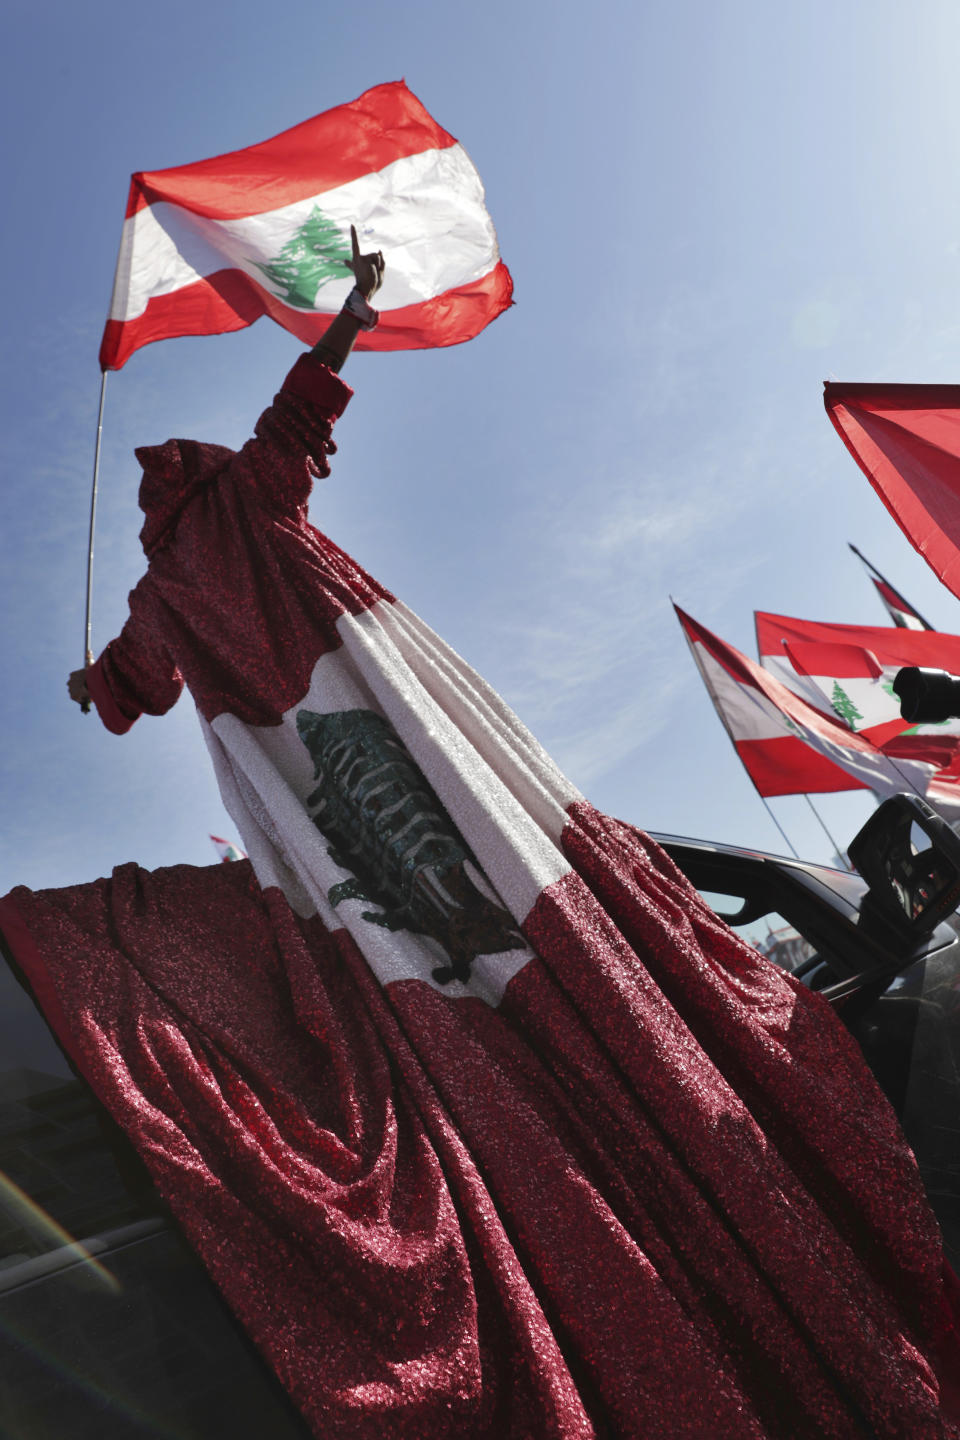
[(212, 246), (853, 685), (891, 647), (849, 661), (906, 440), (787, 747), (848, 670), (901, 612)]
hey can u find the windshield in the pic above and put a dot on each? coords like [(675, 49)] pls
[(66, 1172)]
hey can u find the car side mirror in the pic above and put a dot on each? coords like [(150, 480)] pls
[(910, 858)]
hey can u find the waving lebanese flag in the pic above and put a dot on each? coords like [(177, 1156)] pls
[(901, 612), (212, 246), (852, 685), (789, 748), (848, 671)]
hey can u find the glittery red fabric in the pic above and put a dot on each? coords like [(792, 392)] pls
[(654, 1192), (242, 594)]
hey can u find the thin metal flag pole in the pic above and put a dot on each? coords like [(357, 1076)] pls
[(823, 826), (87, 639), (779, 826)]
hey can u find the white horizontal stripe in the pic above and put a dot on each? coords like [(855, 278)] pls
[(802, 685), (749, 715), (747, 712), (876, 705), (426, 213)]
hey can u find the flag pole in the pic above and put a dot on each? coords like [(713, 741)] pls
[(823, 826), (893, 588), (87, 640), (776, 822)]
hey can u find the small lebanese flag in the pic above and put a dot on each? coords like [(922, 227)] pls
[(856, 687), (901, 612), (226, 849), (852, 685), (212, 246), (789, 748), (848, 671)]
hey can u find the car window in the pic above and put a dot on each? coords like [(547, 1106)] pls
[(769, 933), (66, 1172), (110, 1325)]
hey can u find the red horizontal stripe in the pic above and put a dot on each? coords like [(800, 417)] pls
[(385, 124), (890, 397), (787, 766), (888, 730), (229, 300), (839, 662), (890, 597), (732, 661), (890, 646)]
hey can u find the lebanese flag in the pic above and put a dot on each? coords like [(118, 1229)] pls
[(226, 849), (834, 668), (901, 612), (787, 747), (850, 682), (906, 440), (212, 246)]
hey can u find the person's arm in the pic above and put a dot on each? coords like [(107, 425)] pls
[(292, 438), (338, 339), (134, 676)]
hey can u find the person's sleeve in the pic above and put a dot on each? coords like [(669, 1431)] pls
[(292, 438), (134, 676)]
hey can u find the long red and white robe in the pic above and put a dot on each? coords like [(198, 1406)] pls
[(622, 1176)]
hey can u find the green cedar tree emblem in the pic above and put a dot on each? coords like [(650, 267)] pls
[(388, 828), (315, 255), (844, 706)]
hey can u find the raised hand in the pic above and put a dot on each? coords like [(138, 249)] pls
[(367, 269)]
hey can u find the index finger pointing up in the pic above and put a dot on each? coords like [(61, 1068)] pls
[(355, 243)]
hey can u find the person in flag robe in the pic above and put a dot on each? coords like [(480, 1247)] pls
[(566, 1156)]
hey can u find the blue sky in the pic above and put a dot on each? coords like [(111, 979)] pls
[(707, 210)]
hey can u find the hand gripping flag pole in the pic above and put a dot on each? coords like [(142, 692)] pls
[(87, 639)]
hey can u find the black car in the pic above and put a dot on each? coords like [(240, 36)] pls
[(109, 1325), (883, 946)]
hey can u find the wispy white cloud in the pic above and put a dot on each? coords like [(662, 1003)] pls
[(596, 659)]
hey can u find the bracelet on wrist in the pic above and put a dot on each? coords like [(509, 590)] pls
[(357, 305)]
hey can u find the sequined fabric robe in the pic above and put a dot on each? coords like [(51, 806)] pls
[(483, 1122)]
